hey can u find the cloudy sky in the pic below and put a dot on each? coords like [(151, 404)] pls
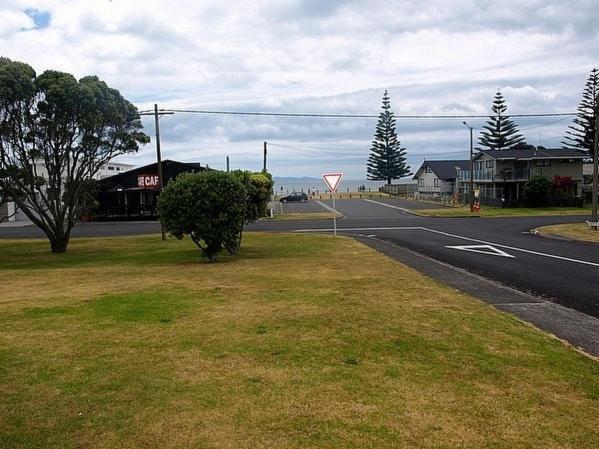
[(322, 56)]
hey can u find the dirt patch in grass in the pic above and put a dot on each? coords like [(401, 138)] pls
[(573, 231), (301, 341)]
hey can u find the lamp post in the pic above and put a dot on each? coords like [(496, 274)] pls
[(471, 193)]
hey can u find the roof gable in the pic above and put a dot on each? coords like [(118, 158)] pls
[(444, 169)]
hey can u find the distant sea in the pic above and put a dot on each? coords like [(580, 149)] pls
[(305, 184)]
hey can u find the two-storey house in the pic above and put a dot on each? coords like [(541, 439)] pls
[(502, 174)]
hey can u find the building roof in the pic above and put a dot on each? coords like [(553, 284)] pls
[(549, 153), (444, 169), (170, 169)]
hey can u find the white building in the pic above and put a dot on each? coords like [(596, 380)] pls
[(438, 178), (112, 168)]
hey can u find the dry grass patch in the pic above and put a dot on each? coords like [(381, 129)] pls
[(574, 231), (301, 341), (498, 212)]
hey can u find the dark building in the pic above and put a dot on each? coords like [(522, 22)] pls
[(134, 193)]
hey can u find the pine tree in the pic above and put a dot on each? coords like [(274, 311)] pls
[(387, 160), (581, 133), (500, 132)]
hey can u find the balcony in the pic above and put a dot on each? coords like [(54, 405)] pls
[(490, 175)]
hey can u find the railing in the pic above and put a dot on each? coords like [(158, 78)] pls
[(490, 175)]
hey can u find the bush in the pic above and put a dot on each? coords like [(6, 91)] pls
[(562, 187), (210, 207), (258, 191), (536, 190)]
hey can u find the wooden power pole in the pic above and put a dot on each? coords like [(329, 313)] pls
[(264, 163), (595, 166)]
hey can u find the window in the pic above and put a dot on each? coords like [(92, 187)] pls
[(428, 169), (110, 168), (543, 163), (436, 182), (490, 163), (420, 182), (118, 169)]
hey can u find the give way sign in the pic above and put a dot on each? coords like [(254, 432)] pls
[(332, 180)]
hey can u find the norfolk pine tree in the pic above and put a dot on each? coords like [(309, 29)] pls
[(387, 160), (500, 132), (581, 133)]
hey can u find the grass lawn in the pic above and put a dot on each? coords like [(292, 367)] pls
[(302, 341), (575, 231), (492, 212)]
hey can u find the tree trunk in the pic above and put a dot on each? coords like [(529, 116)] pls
[(59, 244)]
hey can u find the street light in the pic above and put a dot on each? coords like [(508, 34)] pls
[(471, 193)]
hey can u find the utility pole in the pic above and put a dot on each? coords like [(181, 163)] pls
[(595, 165), (264, 164), (227, 164), (159, 162), (158, 153), (471, 195)]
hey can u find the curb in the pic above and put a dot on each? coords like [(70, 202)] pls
[(540, 234)]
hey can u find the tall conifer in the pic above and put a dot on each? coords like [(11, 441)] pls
[(387, 160), (500, 132), (581, 133)]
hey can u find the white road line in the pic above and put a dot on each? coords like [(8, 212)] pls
[(390, 205), (330, 209), (470, 239)]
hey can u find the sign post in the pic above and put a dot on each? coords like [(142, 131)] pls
[(333, 180)]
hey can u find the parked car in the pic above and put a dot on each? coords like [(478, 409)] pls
[(295, 196)]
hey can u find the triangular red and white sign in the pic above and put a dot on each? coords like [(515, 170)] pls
[(332, 180)]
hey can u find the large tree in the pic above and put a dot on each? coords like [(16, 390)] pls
[(55, 134), (581, 133), (500, 132), (387, 160)]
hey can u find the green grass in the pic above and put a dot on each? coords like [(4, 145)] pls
[(301, 341), (496, 212)]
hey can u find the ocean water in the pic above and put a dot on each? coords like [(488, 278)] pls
[(284, 187)]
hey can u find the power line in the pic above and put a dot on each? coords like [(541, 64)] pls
[(318, 115)]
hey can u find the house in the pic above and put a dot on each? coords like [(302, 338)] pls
[(134, 193), (502, 174), (438, 178)]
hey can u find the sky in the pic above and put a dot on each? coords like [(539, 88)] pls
[(434, 57)]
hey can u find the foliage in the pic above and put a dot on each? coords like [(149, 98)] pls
[(208, 206), (387, 160), (500, 132), (258, 187), (581, 133), (55, 134), (562, 186), (537, 190)]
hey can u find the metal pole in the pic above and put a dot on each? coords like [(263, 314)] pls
[(471, 173), (595, 166), (159, 162), (227, 164), (334, 217), (264, 164)]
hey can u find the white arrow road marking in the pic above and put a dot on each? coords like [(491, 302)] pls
[(483, 249)]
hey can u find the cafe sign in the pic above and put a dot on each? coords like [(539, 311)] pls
[(147, 181)]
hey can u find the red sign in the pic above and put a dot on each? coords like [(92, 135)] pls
[(147, 181), (332, 180)]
